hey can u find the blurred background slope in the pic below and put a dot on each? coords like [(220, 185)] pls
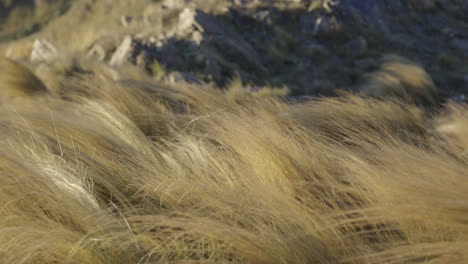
[(20, 18), (311, 46)]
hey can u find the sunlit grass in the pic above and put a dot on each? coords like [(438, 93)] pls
[(102, 164), (109, 170)]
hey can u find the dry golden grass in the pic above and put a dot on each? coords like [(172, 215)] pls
[(115, 170), (402, 78), (82, 17), (115, 167), (17, 80), (453, 125), (20, 18)]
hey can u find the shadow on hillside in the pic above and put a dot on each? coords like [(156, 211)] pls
[(269, 46), (264, 47)]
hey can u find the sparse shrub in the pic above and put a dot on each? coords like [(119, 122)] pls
[(399, 77), (157, 70), (453, 126)]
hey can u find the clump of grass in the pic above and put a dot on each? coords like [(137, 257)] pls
[(18, 80), (453, 126), (116, 170), (349, 119), (157, 70), (402, 78)]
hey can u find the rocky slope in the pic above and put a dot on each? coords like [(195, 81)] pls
[(312, 47)]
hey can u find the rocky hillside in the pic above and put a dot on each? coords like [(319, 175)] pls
[(313, 47), (19, 18)]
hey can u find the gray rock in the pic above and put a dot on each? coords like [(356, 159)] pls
[(124, 52), (43, 51), (327, 5), (182, 77), (186, 21), (142, 53), (197, 38), (209, 24), (326, 26), (134, 51)]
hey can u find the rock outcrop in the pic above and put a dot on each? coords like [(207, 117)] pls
[(43, 51)]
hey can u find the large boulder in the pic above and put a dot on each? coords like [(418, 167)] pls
[(124, 52), (186, 21)]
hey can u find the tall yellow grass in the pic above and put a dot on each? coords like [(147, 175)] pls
[(402, 78), (17, 80), (126, 171)]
